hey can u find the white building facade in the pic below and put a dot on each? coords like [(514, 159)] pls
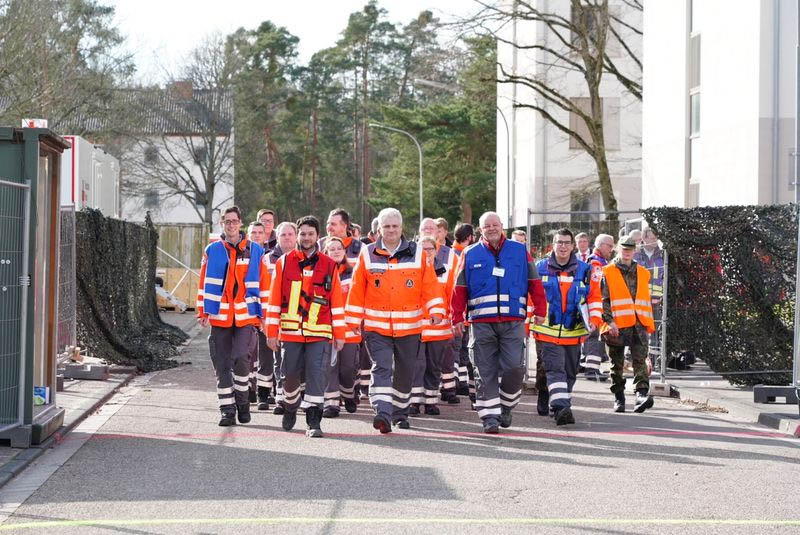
[(719, 107), (549, 171)]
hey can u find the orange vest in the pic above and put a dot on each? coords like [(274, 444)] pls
[(625, 309)]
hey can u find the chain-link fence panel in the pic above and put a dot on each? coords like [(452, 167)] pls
[(67, 284), (731, 285), (117, 314)]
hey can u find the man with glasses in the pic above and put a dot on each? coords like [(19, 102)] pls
[(572, 297), (594, 350), (232, 297), (495, 278)]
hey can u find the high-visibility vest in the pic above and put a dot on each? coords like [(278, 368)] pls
[(445, 264), (393, 294), (624, 308), (497, 285), (306, 300)]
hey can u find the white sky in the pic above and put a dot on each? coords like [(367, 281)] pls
[(160, 32)]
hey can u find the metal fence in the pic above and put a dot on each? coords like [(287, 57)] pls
[(14, 200), (542, 226), (67, 285)]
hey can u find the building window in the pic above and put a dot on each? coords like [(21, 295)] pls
[(199, 154), (151, 154), (151, 199), (589, 17), (609, 116), (694, 61)]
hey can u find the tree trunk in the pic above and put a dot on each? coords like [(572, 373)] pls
[(314, 164), (365, 137)]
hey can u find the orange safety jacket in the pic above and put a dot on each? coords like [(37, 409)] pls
[(346, 278), (445, 264), (391, 294), (624, 308), (233, 304), (305, 299)]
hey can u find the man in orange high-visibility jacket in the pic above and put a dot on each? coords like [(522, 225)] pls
[(628, 317), (306, 311), (232, 297), (395, 294), (437, 352)]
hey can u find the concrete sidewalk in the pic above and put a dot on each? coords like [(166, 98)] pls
[(701, 385), (80, 399)]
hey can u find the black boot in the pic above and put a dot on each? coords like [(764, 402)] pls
[(432, 410), (350, 405), (413, 409), (619, 402), (313, 420), (564, 416), (505, 417), (227, 416), (278, 410), (288, 420), (643, 401), (263, 398), (543, 402), (243, 413), (328, 412)]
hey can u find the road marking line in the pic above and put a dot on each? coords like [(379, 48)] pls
[(440, 521)]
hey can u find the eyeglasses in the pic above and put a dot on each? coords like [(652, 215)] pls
[(563, 243), (231, 221)]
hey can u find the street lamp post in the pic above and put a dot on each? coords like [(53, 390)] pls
[(419, 149), (454, 89)]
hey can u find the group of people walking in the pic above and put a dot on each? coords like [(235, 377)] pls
[(316, 323)]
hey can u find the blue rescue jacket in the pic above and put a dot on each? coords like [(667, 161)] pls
[(496, 284)]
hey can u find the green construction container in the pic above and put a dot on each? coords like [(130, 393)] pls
[(30, 167)]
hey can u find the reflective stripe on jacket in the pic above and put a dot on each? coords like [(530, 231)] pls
[(623, 307), (391, 294)]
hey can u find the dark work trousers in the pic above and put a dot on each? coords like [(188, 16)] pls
[(365, 369), (541, 375), (561, 366), (497, 351), (393, 361), (266, 363), (230, 349), (594, 352), (466, 371), (277, 375), (309, 361), (639, 349), (342, 376), (449, 366), (418, 382), (435, 351)]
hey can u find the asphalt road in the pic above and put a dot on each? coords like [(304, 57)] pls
[(154, 461)]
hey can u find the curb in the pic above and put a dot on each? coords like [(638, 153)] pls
[(22, 460), (789, 426)]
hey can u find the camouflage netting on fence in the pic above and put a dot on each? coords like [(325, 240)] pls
[(117, 314), (731, 286)]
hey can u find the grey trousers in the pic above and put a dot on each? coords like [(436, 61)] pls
[(594, 352), (497, 350), (449, 366), (342, 376), (230, 349), (434, 354), (393, 360), (266, 363), (308, 360), (561, 366)]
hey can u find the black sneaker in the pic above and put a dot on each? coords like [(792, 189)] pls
[(432, 410), (619, 403), (543, 402), (330, 412), (288, 421), (227, 417), (313, 420), (413, 409), (643, 402), (505, 417), (564, 416), (491, 428), (243, 413), (350, 405), (381, 424), (403, 424), (278, 410)]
